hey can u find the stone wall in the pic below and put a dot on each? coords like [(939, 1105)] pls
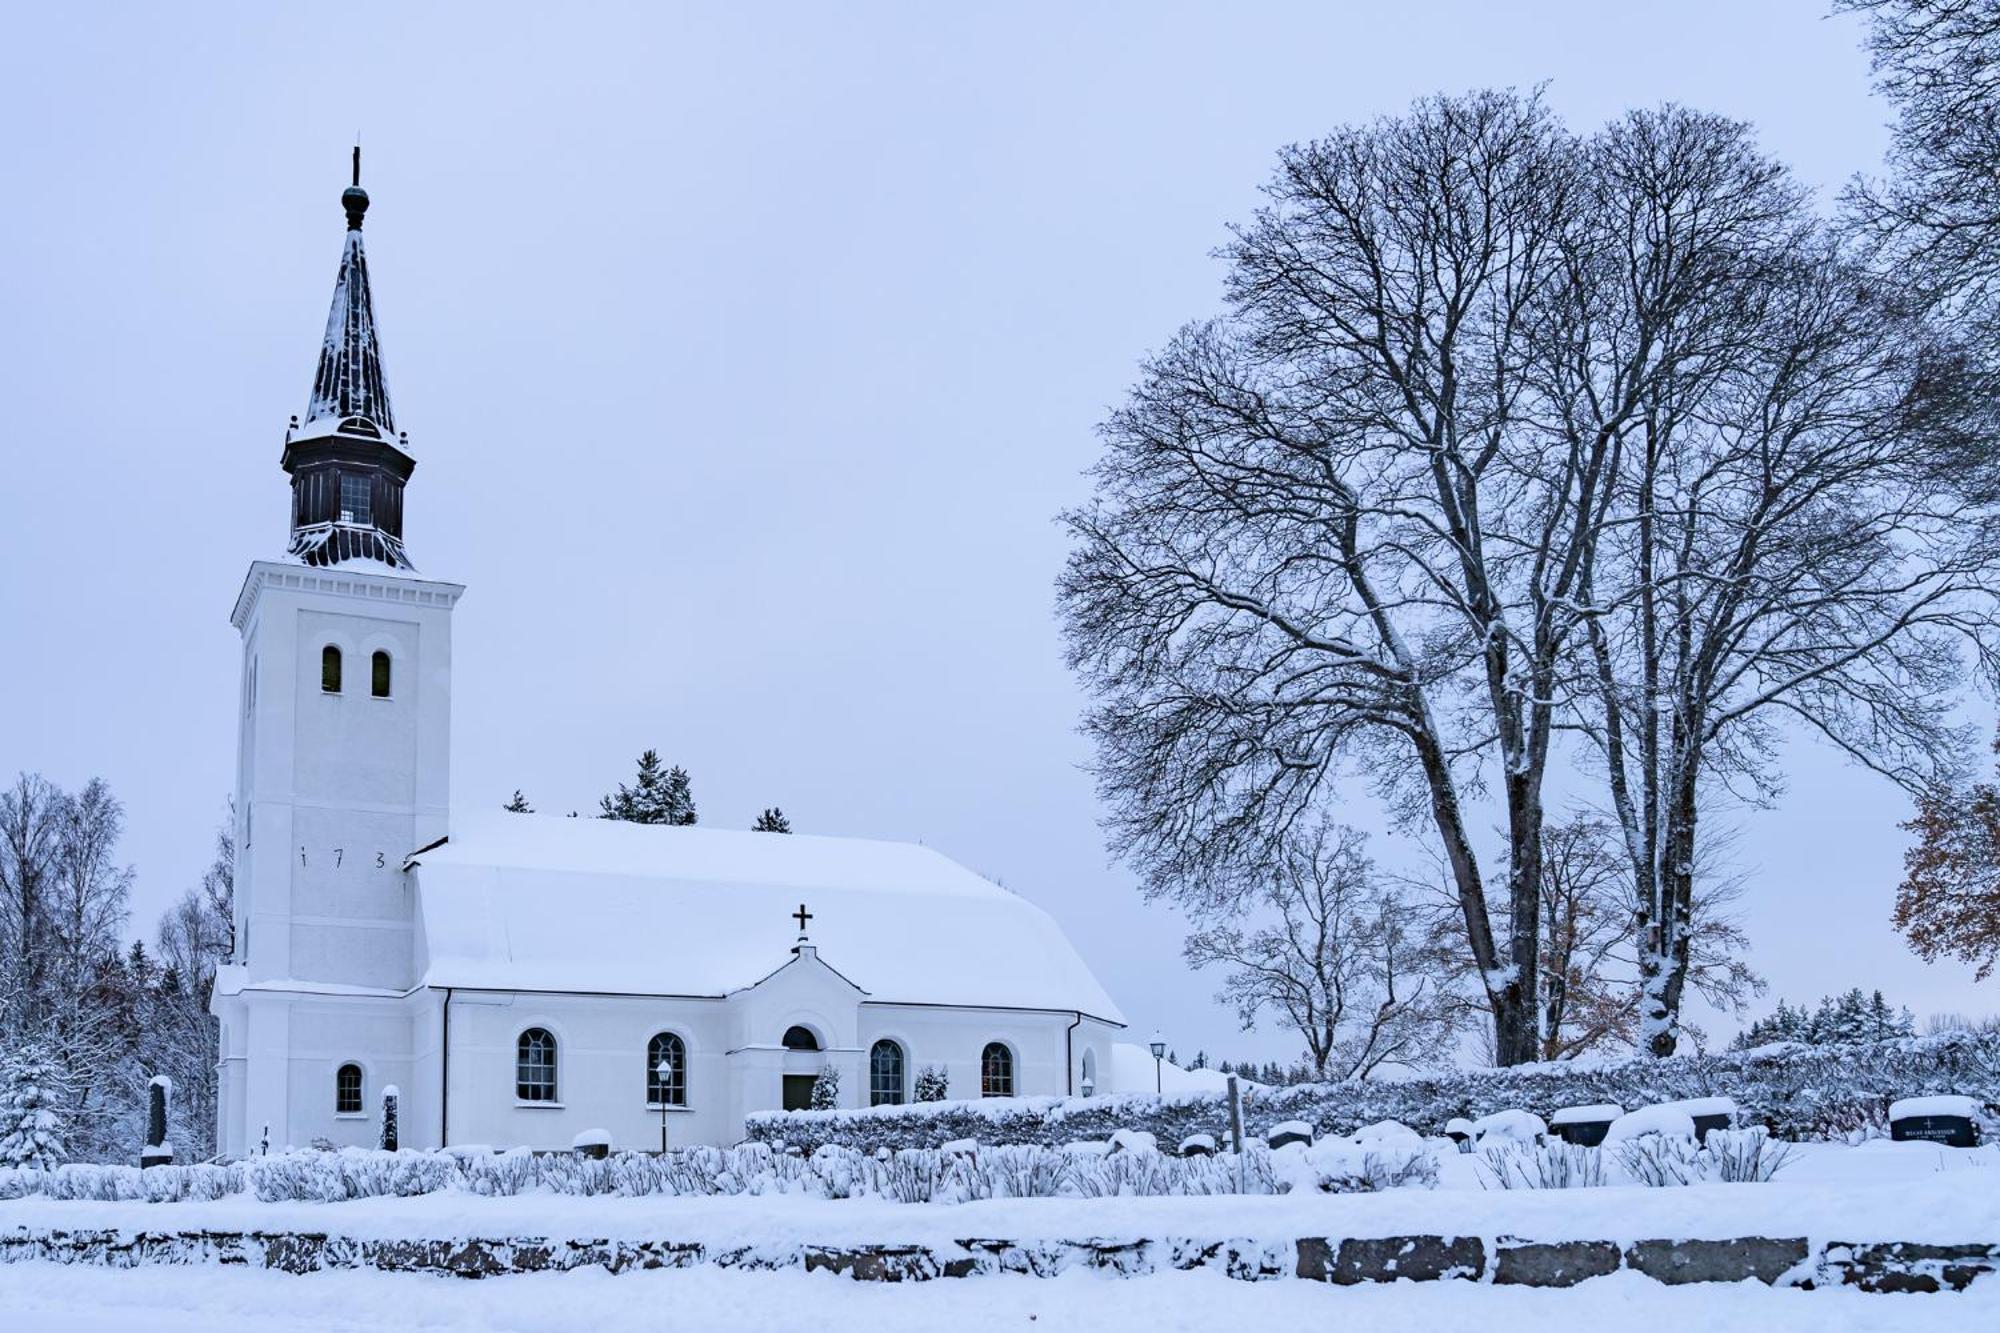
[(1790, 1261)]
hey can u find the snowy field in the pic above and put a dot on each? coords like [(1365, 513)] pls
[(50, 1298)]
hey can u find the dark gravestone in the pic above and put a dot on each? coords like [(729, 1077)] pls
[(1953, 1131), (156, 1152), (1583, 1133), (1290, 1132)]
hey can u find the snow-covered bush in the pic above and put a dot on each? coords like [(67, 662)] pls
[(1744, 1155), (1661, 1159), (1553, 1165), (1818, 1092), (826, 1089), (933, 1085), (1339, 1166)]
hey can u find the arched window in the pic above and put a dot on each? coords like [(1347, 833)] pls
[(329, 669), (535, 1066), (378, 674), (799, 1038), (347, 1090), (885, 1074), (673, 1090), (996, 1071)]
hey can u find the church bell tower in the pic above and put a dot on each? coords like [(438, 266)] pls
[(347, 463), (343, 755)]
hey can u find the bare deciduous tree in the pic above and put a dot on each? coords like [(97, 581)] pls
[(1329, 950), (1354, 526)]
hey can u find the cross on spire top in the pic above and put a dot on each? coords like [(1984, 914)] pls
[(802, 916)]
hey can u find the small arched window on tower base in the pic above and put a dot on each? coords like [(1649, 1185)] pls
[(329, 669), (378, 675)]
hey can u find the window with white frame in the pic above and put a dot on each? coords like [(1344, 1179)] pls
[(535, 1066), (672, 1090), (885, 1074), (996, 1070)]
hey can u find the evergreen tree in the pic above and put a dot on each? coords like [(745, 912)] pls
[(826, 1090), (519, 805), (31, 1123), (389, 1136), (772, 821), (659, 796), (933, 1085)]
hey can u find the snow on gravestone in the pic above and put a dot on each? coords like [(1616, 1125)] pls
[(592, 1143), (1585, 1125), (1459, 1130), (1198, 1145), (1508, 1127), (1665, 1120), (1287, 1132), (1707, 1113), (1952, 1121), (1134, 1141)]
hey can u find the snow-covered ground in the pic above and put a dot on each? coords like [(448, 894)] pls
[(50, 1298)]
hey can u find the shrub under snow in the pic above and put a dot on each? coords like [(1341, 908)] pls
[(1800, 1092), (913, 1175)]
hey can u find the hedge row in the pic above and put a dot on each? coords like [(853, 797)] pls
[(1800, 1092)]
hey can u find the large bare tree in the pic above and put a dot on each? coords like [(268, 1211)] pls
[(1350, 528)]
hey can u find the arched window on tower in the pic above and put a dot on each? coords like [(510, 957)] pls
[(535, 1066), (996, 1070), (885, 1074), (347, 1090), (329, 669), (378, 674), (800, 1038), (673, 1091)]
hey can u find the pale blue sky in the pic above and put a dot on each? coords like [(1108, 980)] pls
[(747, 353)]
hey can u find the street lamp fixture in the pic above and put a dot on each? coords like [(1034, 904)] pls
[(1159, 1054)]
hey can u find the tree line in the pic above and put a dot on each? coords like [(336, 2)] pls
[(1523, 452), (86, 1020), (657, 795)]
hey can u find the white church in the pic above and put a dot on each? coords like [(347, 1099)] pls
[(520, 979)]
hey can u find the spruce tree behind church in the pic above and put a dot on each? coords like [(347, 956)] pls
[(772, 821), (660, 796)]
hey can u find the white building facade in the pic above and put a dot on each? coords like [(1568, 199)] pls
[(521, 979)]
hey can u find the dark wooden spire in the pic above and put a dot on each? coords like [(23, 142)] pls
[(346, 459)]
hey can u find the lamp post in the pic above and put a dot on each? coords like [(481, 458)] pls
[(1159, 1054), (666, 1073)]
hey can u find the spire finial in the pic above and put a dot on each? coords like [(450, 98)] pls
[(355, 199)]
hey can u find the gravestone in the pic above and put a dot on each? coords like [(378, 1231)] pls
[(1584, 1125), (157, 1152), (1951, 1121), (1288, 1132)]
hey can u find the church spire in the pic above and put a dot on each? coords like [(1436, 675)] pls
[(350, 382), (347, 461)]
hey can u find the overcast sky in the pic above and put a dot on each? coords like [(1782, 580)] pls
[(747, 353)]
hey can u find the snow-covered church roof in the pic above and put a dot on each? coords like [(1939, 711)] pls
[(536, 902)]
